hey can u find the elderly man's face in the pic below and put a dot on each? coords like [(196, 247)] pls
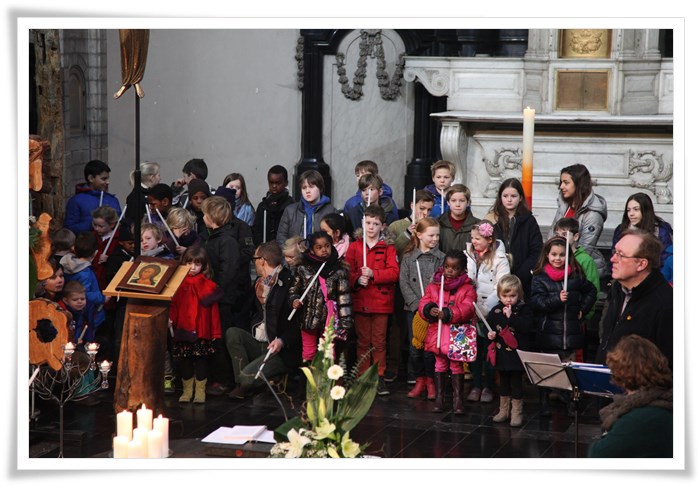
[(625, 266)]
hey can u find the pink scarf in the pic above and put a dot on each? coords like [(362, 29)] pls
[(556, 274), (342, 246)]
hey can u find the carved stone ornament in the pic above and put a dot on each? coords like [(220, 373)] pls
[(506, 164), (370, 45), (299, 57), (647, 170), (436, 81)]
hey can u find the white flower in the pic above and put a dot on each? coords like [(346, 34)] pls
[(328, 353), (349, 447), (321, 343), (338, 392), (335, 372), (297, 443), (324, 429)]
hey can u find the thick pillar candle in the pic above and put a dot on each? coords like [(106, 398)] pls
[(144, 418), (163, 425), (120, 447), (141, 436), (125, 424), (155, 443), (528, 152), (135, 449)]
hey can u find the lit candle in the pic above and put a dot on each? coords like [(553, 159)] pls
[(135, 449), (125, 424), (69, 346), (144, 418), (163, 425), (528, 149), (105, 366), (92, 346), (141, 436), (155, 444), (120, 447)]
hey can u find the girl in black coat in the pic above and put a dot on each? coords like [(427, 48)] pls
[(515, 225), (559, 305), (510, 317)]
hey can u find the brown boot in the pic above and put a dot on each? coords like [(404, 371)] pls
[(418, 389), (516, 418), (430, 385), (200, 395), (458, 394), (503, 410), (440, 381)]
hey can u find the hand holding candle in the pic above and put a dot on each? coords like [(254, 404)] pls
[(308, 288)]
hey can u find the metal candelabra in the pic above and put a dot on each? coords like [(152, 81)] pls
[(72, 382)]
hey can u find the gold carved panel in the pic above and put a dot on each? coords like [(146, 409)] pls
[(582, 90), (585, 43)]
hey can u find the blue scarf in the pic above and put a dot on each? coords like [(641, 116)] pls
[(310, 210)]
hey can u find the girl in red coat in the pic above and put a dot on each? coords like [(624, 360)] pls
[(457, 334), (373, 290), (194, 314)]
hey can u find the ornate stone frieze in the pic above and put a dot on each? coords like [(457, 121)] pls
[(370, 45), (507, 163), (647, 170), (299, 57)]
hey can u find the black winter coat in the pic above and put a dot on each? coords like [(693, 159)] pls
[(277, 310), (224, 256), (521, 324), (524, 246), (649, 314), (274, 205), (558, 324)]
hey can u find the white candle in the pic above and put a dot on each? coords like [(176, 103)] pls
[(69, 346), (265, 225), (135, 449), (163, 425), (420, 280), (441, 302), (304, 227), (442, 201), (105, 366), (92, 346), (172, 236), (364, 242), (144, 418), (120, 447), (566, 262), (155, 444), (313, 280), (148, 214), (102, 194), (369, 195), (116, 226), (528, 152), (141, 436), (414, 206), (125, 424)]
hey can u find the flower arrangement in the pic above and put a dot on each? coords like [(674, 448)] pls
[(335, 403)]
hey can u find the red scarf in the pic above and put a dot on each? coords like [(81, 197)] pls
[(556, 274)]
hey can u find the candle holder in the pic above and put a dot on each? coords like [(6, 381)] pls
[(75, 380)]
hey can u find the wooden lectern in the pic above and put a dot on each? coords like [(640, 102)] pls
[(144, 343)]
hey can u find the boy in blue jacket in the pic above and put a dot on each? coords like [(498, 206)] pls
[(89, 196)]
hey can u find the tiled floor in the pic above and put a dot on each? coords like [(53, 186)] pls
[(395, 426)]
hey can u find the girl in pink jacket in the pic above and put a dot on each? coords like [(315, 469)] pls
[(454, 322)]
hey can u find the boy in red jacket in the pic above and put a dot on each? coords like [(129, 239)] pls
[(373, 285)]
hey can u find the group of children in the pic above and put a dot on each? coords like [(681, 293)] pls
[(451, 269)]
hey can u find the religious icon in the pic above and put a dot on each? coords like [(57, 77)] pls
[(148, 274)]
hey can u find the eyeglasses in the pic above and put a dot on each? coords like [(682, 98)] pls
[(255, 258), (622, 256)]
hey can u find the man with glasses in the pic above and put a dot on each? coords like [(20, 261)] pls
[(640, 300), (271, 330)]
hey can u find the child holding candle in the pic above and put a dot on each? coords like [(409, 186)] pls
[(159, 198), (420, 261), (559, 307), (404, 229), (89, 196), (304, 217), (194, 314), (272, 206), (374, 272), (327, 295), (370, 187), (443, 174), (451, 335), (487, 264), (457, 223), (182, 224), (104, 221), (511, 321), (242, 208), (362, 168)]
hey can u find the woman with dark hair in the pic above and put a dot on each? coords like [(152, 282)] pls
[(515, 225), (639, 213), (638, 423)]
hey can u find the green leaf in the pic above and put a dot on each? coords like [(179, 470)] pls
[(358, 399), (281, 432)]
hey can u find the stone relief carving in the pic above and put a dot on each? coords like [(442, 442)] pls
[(647, 170), (436, 81), (299, 57), (371, 45), (586, 41), (506, 164)]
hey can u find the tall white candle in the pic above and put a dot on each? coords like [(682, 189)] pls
[(155, 444), (528, 152), (420, 280), (144, 418), (116, 226), (441, 302), (364, 243), (141, 436), (414, 206), (120, 447), (135, 450), (148, 214), (102, 194), (566, 262), (442, 201), (311, 283), (304, 227), (125, 424), (172, 236), (163, 425), (265, 225)]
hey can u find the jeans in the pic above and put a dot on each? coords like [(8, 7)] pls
[(246, 356)]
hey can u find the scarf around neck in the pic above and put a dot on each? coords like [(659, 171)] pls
[(556, 274), (624, 403), (315, 262), (450, 283), (264, 285)]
